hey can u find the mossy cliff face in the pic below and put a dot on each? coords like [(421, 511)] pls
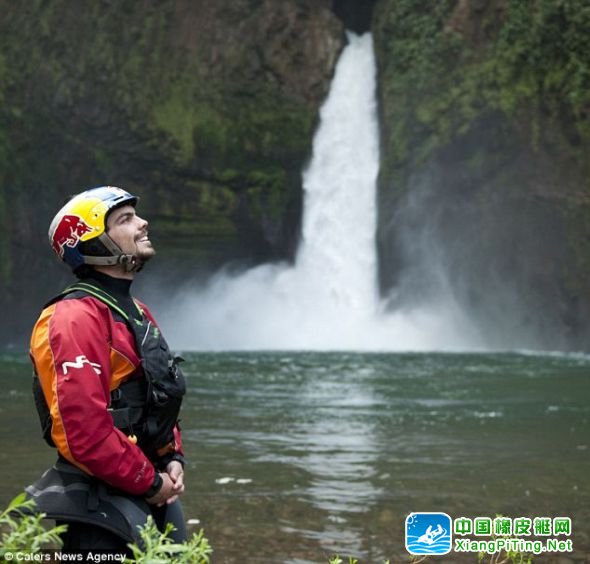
[(207, 110), (204, 109), (485, 176)]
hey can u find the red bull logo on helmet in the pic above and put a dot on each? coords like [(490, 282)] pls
[(68, 232)]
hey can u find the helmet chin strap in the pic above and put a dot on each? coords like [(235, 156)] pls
[(129, 262)]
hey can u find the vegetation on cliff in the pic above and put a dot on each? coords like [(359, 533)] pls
[(446, 65), (206, 110), (485, 111)]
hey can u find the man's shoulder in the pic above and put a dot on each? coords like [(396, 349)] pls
[(83, 306), (78, 319)]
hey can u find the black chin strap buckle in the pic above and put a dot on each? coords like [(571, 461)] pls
[(130, 263)]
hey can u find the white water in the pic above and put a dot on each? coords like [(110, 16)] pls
[(329, 299)]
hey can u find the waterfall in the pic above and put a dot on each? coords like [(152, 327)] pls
[(337, 255), (328, 299)]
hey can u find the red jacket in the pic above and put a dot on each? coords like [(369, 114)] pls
[(81, 353)]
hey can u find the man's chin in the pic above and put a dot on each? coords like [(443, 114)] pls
[(146, 255), (145, 251)]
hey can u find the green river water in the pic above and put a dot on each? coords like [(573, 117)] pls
[(293, 457)]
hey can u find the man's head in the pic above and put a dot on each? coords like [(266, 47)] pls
[(100, 228)]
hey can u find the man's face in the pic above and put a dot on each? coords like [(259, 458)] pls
[(130, 232)]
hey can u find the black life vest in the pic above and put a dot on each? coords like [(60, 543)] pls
[(146, 407)]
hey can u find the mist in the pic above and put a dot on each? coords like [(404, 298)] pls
[(328, 299)]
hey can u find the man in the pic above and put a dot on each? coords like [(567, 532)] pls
[(106, 386)]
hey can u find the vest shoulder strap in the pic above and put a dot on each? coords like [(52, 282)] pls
[(84, 288)]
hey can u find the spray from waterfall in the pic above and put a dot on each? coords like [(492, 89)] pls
[(327, 300)]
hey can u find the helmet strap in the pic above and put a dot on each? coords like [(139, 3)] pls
[(130, 263), (100, 261)]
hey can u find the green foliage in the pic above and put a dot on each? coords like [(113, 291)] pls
[(218, 131), (337, 560), (443, 66), (178, 115), (266, 193), (132, 93), (414, 53), (541, 61), (22, 530), (160, 548)]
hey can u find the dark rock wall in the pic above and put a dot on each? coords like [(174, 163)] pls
[(484, 182), (204, 109), (207, 111)]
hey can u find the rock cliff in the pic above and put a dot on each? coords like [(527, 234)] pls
[(204, 109), (207, 111), (484, 181)]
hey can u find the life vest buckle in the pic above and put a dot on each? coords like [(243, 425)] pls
[(159, 398)]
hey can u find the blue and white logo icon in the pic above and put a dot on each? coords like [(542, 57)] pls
[(428, 533)]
